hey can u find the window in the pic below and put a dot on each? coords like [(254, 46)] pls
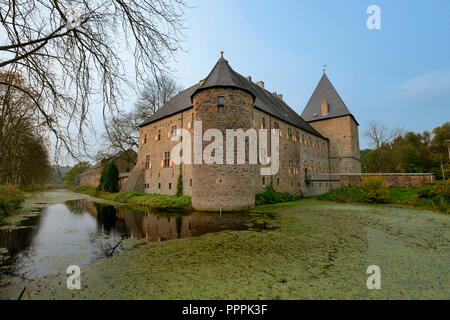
[(174, 131), (170, 186), (289, 132), (159, 185), (190, 182), (263, 181), (263, 123), (278, 181), (276, 125), (128, 169), (159, 135), (166, 159), (220, 104), (145, 138), (147, 162)]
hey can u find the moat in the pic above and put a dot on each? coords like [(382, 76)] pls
[(81, 231)]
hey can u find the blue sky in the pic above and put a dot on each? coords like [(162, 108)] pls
[(398, 76)]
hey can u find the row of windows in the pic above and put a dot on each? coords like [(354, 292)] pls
[(147, 185)]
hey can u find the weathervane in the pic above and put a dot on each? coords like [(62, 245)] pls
[(221, 53), (324, 68)]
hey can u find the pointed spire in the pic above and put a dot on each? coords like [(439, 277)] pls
[(222, 75), (325, 92)]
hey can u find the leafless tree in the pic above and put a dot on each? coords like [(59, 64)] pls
[(123, 131), (23, 151), (379, 138), (70, 53)]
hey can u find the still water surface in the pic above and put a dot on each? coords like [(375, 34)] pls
[(80, 231)]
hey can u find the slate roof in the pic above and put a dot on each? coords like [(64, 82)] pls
[(325, 91), (222, 75)]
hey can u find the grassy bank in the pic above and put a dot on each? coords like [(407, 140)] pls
[(435, 196), (270, 196), (11, 198), (153, 201), (320, 250)]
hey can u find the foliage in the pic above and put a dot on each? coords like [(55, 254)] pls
[(179, 192), (374, 189), (10, 198), (437, 195), (77, 169), (433, 196), (109, 180), (153, 201), (408, 152), (270, 196)]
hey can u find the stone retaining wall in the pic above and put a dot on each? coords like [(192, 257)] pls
[(391, 179)]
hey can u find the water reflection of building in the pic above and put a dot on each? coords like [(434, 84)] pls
[(158, 227)]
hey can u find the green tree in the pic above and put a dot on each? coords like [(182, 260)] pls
[(180, 184), (77, 169), (109, 180)]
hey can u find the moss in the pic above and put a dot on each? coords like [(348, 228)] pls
[(320, 250)]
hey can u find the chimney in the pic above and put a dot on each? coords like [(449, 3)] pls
[(324, 107), (260, 84), (280, 96), (249, 78)]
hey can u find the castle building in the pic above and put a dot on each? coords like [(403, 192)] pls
[(324, 140), (125, 162)]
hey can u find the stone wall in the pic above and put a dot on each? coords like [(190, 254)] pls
[(391, 179), (344, 143), (299, 151), (230, 186)]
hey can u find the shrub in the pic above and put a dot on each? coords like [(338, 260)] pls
[(270, 196), (109, 180), (10, 198), (437, 195), (179, 192), (374, 189)]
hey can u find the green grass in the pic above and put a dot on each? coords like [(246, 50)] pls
[(319, 250), (270, 196), (152, 201), (397, 195), (11, 198)]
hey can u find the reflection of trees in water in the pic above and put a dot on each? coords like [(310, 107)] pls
[(19, 244), (75, 206), (106, 216)]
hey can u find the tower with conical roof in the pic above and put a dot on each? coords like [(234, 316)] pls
[(328, 114), (223, 100)]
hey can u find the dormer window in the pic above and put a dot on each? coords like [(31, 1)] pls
[(220, 104)]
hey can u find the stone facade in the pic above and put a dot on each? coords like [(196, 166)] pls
[(125, 161), (233, 187), (344, 143), (226, 100)]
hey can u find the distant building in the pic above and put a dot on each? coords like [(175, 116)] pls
[(323, 140), (125, 162)]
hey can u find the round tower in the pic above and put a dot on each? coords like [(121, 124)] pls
[(223, 101)]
